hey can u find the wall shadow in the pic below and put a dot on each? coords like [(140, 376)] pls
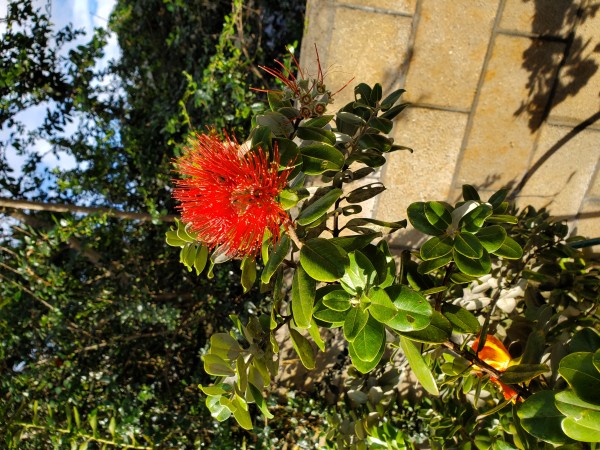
[(557, 71)]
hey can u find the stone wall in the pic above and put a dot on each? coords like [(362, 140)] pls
[(503, 93)]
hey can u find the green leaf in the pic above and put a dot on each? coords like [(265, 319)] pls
[(318, 122), (419, 366), (474, 267), (319, 207), (241, 414), (392, 98), (356, 319), (497, 198), (304, 349), (585, 340), (351, 119), (376, 142), (260, 401), (275, 99), (467, 244), (303, 298), (381, 307), (315, 134), (383, 261), (217, 410), (224, 346), (173, 240), (433, 264), (470, 193), (369, 339), (279, 124), (579, 371), (328, 315), (414, 311), (540, 418), (248, 273), (338, 300), (365, 366), (419, 220), (217, 389), (509, 249), (365, 192), (319, 158), (474, 219), (201, 259), (369, 157), (461, 319), (323, 260), (216, 366), (436, 247), (491, 237), (381, 124), (316, 335), (596, 359), (276, 258), (437, 332), (394, 111), (352, 243), (359, 274), (502, 218), (585, 431), (261, 137), (571, 405), (376, 94), (522, 373)]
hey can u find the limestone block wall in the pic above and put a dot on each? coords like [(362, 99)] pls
[(503, 93)]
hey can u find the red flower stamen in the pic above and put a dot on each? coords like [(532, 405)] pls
[(228, 197)]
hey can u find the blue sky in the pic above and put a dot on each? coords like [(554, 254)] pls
[(86, 14)]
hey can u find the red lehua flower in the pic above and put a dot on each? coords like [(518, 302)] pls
[(228, 197), (495, 354)]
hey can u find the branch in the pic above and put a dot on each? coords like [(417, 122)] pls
[(68, 208)]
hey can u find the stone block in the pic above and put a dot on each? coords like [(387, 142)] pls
[(541, 18), (562, 181), (578, 91), (450, 46), (435, 136), (505, 121), (588, 221)]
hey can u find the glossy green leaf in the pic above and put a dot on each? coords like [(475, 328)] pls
[(241, 414), (381, 307), (217, 389), (303, 298), (419, 366), (276, 258), (304, 349), (315, 134), (365, 366), (275, 99), (359, 274), (260, 401), (470, 266), (279, 124), (540, 418), (596, 359), (509, 249), (357, 242), (438, 330), (383, 261), (502, 218), (394, 111), (216, 366), (377, 142), (261, 137), (316, 335), (351, 119), (491, 237), (436, 247), (414, 311), (475, 219), (585, 340), (497, 198), (356, 319), (461, 319), (319, 207), (580, 430), (571, 405), (217, 410), (319, 158), (470, 193), (319, 122), (433, 264), (392, 98), (323, 260), (418, 219), (381, 124), (368, 157), (369, 339), (248, 273), (523, 373), (224, 346), (579, 371), (328, 315), (376, 94), (468, 245), (338, 300)]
